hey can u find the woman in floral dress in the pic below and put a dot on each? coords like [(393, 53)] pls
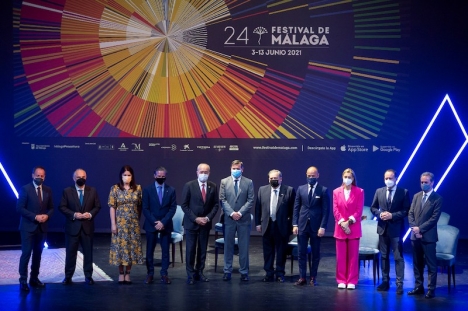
[(125, 210)]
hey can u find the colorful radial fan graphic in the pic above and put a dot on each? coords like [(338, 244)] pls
[(206, 69)]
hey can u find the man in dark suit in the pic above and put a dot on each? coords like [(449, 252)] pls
[(237, 196), (159, 206), (35, 206), (273, 218), (422, 218), (310, 217), (200, 203), (390, 205), (80, 205)]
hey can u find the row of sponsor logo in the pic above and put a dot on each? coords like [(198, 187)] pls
[(138, 147)]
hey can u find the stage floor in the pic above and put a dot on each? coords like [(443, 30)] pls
[(233, 295)]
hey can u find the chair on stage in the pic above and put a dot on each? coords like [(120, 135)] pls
[(177, 235), (443, 219), (369, 246), (294, 253), (446, 250), (366, 213)]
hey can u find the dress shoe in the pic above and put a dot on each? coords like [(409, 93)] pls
[(24, 287), (313, 281), (191, 281), (267, 278), (430, 294), (203, 278), (383, 287), (227, 277), (67, 281), (149, 279), (89, 280), (280, 279), (196, 277), (165, 279), (342, 286), (36, 283), (399, 289), (351, 286), (244, 277), (416, 291), (300, 282)]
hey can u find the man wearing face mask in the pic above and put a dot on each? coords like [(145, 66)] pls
[(310, 218), (273, 218), (80, 205), (236, 195), (35, 206), (391, 205), (423, 216), (200, 203), (159, 206)]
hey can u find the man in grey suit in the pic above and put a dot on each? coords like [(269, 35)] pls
[(80, 204), (390, 205), (422, 217), (273, 218), (236, 196)]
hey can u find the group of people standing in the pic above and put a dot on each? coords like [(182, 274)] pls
[(279, 211)]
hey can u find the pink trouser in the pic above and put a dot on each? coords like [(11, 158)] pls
[(347, 261)]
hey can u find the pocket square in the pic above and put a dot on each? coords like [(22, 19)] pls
[(317, 197)]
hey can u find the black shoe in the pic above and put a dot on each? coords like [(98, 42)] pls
[(67, 281), (149, 279), (244, 277), (267, 278), (203, 278), (89, 280), (383, 287), (165, 279), (399, 289), (416, 291), (313, 281), (191, 281), (430, 294), (36, 283), (196, 277), (280, 279), (24, 287), (300, 282), (227, 277)]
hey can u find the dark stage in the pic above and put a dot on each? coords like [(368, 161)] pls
[(233, 295)]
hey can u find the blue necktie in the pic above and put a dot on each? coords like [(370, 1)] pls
[(236, 188), (81, 197), (424, 199), (274, 205), (160, 194)]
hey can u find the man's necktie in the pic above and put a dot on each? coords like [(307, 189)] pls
[(81, 197), (310, 194), (389, 198), (203, 192), (236, 188), (39, 195), (160, 194), (274, 204), (424, 199)]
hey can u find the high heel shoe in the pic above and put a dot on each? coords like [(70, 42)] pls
[(121, 278), (127, 280)]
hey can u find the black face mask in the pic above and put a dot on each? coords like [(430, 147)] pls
[(81, 182), (160, 180), (38, 181), (274, 183)]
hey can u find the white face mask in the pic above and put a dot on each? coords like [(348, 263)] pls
[(126, 179), (389, 183), (347, 181), (203, 177)]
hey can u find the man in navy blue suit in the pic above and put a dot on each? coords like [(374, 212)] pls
[(35, 206), (159, 206), (310, 217)]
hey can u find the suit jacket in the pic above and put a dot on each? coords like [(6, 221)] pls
[(154, 211), (399, 208), (28, 206), (317, 211), (70, 204), (425, 217), (242, 203), (343, 209), (193, 205), (284, 209)]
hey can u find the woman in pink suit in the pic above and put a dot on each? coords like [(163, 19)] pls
[(348, 201)]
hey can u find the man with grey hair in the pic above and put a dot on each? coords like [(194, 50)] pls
[(423, 216), (273, 218)]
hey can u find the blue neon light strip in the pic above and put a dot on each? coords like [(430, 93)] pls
[(8, 180)]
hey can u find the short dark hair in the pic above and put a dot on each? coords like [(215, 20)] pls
[(236, 162), (428, 174), (37, 167), (160, 169), (133, 183), (392, 171)]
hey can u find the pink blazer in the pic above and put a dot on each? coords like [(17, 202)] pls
[(342, 209)]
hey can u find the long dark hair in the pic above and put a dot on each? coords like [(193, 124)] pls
[(133, 183)]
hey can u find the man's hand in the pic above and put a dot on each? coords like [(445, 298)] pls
[(295, 230), (386, 216), (159, 226), (236, 216), (259, 228), (201, 221), (321, 232)]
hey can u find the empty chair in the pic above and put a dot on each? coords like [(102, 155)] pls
[(294, 251), (369, 246), (366, 213), (443, 219), (446, 249), (177, 235), (219, 244)]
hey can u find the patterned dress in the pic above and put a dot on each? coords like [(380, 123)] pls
[(125, 246)]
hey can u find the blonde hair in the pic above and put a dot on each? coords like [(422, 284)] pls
[(348, 170)]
